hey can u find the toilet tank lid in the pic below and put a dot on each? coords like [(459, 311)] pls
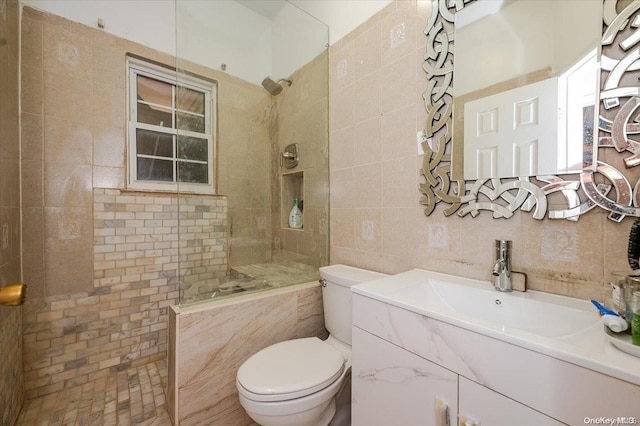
[(348, 275)]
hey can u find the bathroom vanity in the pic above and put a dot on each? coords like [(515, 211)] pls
[(434, 349)]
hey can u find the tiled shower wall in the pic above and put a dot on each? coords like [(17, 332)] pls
[(11, 377), (302, 114), (122, 321), (376, 84), (102, 264)]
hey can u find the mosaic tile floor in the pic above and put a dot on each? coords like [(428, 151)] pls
[(132, 397)]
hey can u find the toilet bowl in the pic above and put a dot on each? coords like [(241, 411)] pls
[(296, 382)]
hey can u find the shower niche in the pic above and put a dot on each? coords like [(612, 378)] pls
[(292, 187)]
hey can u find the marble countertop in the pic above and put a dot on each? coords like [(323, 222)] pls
[(589, 348)]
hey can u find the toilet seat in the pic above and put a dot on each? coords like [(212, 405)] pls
[(289, 370)]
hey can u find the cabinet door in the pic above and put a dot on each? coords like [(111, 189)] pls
[(481, 406), (391, 386)]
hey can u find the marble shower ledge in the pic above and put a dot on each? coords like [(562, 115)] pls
[(207, 304), (588, 348)]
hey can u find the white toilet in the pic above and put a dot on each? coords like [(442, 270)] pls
[(296, 382)]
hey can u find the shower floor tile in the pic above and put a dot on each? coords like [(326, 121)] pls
[(132, 397)]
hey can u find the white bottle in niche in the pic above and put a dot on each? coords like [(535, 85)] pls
[(295, 216)]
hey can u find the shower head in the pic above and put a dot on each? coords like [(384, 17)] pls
[(274, 87)]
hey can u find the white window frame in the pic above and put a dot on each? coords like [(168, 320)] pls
[(137, 67)]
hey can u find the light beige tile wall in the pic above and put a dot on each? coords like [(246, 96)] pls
[(73, 133), (376, 108), (11, 377), (302, 113), (211, 343), (244, 167)]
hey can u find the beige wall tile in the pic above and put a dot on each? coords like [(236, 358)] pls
[(342, 227), (67, 142), (68, 98), (32, 193), (399, 129), (31, 137), (109, 146), (342, 69), (108, 105), (34, 274), (398, 231), (31, 43), (341, 108), (367, 145), (32, 89), (398, 31), (68, 229), (368, 49), (368, 97), (9, 186), (109, 61), (397, 178), (367, 186), (399, 88), (67, 51), (68, 272), (33, 229), (368, 230), (67, 185), (342, 148)]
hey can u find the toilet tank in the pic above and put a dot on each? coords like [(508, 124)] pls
[(336, 297)]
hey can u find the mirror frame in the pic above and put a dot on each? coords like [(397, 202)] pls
[(583, 192)]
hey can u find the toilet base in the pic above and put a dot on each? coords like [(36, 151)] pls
[(315, 416)]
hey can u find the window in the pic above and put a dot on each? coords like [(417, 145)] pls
[(170, 130)]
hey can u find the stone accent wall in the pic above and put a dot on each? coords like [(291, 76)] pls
[(138, 248)]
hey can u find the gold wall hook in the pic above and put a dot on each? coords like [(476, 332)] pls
[(13, 294)]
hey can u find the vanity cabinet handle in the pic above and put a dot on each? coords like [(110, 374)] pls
[(467, 422), (441, 410)]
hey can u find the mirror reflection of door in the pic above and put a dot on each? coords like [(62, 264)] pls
[(525, 84)]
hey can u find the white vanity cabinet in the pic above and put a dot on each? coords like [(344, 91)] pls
[(481, 406), (392, 386), (403, 362)]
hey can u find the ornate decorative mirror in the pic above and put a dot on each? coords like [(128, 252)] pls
[(609, 178)]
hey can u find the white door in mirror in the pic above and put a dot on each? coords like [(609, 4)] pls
[(512, 133)]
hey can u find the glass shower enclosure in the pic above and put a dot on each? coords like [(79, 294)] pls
[(251, 147)]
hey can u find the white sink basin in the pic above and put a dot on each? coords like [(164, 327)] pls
[(478, 303)]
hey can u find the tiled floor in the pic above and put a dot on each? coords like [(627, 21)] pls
[(132, 397)]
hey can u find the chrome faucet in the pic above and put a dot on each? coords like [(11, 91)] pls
[(502, 266)]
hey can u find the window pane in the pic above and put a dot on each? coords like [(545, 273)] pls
[(193, 172), (154, 143), (193, 123), (154, 102), (190, 100), (154, 169), (193, 148)]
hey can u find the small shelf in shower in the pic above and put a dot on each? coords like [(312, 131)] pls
[(292, 187)]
